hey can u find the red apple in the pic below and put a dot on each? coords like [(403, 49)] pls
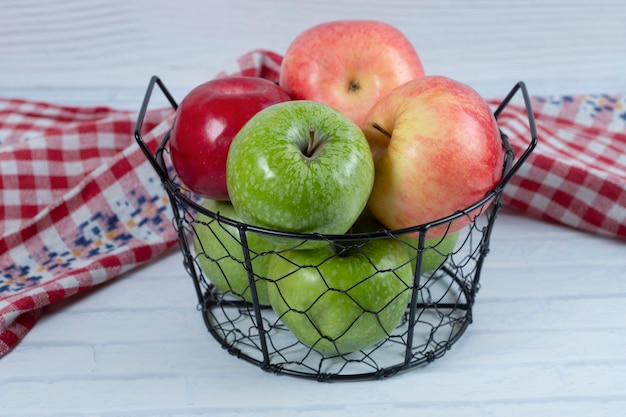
[(348, 65), (437, 149), (207, 120)]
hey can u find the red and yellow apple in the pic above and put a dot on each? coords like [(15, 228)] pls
[(207, 120), (348, 65), (437, 149)]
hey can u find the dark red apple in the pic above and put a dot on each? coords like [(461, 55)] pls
[(207, 120)]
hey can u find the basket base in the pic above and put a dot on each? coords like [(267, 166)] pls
[(442, 314)]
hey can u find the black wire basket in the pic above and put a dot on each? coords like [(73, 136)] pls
[(432, 309)]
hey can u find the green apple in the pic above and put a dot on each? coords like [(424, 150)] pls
[(435, 252), (337, 299), (220, 254), (436, 249), (302, 167)]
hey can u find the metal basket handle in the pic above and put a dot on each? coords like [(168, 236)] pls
[(520, 86), (154, 80)]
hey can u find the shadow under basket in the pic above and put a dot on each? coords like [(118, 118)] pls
[(435, 304)]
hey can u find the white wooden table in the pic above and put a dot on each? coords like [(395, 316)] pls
[(549, 333)]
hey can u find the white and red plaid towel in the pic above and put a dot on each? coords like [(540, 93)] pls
[(80, 204)]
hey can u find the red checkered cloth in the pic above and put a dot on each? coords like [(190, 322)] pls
[(80, 204), (576, 175)]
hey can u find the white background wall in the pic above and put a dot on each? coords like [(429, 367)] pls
[(556, 46)]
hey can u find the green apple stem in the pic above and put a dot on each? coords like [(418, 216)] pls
[(311, 146), (381, 129)]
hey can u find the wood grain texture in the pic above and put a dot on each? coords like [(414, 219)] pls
[(555, 46)]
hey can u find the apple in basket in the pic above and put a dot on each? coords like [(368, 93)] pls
[(437, 150), (301, 167), (339, 299), (435, 251), (207, 120), (219, 253), (348, 64)]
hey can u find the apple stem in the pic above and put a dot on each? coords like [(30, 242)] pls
[(381, 129), (309, 149)]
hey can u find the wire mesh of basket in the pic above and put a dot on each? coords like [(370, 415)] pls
[(287, 309)]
